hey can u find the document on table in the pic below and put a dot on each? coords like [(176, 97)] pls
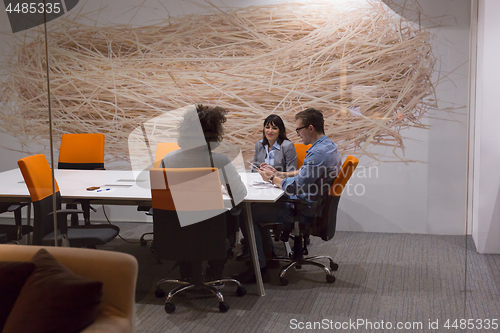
[(262, 184)]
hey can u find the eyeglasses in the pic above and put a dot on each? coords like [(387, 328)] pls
[(298, 129)]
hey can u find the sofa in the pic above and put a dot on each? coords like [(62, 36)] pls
[(117, 272)]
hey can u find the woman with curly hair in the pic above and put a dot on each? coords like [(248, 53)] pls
[(200, 131)]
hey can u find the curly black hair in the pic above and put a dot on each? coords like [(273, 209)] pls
[(210, 119)]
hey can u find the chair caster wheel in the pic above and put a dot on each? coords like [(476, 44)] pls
[(143, 242), (159, 293), (305, 252), (223, 307), (169, 307), (241, 291), (284, 281), (330, 278), (334, 266), (298, 266)]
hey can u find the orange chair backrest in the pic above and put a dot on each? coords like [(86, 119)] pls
[(38, 176), (162, 149), (345, 173), (186, 189), (301, 150), (82, 148)]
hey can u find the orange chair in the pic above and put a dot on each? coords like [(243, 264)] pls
[(301, 150), (81, 152), (162, 149), (322, 225), (38, 177)]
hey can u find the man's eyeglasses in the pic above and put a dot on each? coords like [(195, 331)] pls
[(298, 129)]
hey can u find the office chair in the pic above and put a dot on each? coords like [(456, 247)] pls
[(38, 177), (189, 195), (321, 225), (301, 150), (162, 149), (279, 232), (14, 232), (81, 152)]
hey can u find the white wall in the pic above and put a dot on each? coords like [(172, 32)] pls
[(427, 196), (486, 188)]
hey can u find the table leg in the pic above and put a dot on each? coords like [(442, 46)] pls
[(253, 249)]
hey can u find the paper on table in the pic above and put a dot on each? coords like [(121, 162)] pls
[(261, 184), (117, 185)]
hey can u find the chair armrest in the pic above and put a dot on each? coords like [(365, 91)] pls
[(62, 218), (67, 211), (147, 209), (16, 206)]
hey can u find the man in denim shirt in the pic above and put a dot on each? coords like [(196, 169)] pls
[(309, 184)]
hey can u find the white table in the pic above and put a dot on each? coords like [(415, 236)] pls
[(131, 188)]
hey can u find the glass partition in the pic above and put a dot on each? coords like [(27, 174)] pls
[(391, 78)]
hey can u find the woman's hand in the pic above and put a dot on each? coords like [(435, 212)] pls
[(266, 174), (265, 166)]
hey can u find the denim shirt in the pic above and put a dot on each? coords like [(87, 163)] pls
[(320, 168)]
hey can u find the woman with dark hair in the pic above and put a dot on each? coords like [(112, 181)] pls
[(275, 149)]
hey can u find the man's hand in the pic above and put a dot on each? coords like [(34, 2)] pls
[(265, 166)]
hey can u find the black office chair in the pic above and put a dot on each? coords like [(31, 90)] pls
[(14, 232), (38, 177), (189, 195), (162, 149), (83, 151), (322, 225), (282, 232)]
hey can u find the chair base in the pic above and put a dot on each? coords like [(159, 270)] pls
[(184, 285), (312, 260), (144, 241)]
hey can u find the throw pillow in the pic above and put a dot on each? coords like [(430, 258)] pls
[(54, 299), (13, 275)]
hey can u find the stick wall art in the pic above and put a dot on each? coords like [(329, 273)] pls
[(366, 68)]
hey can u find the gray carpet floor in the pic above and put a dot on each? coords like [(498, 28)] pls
[(421, 281)]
